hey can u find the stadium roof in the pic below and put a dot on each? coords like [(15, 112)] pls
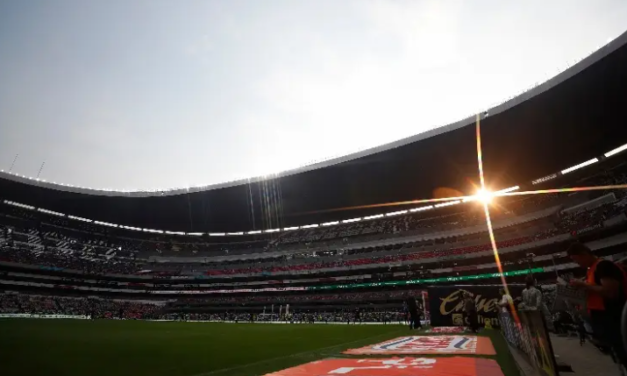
[(574, 117)]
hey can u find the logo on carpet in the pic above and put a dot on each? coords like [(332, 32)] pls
[(460, 344), (455, 366)]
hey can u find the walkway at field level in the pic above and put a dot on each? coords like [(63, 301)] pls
[(585, 360)]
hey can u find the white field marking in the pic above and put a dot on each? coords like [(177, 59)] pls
[(316, 351)]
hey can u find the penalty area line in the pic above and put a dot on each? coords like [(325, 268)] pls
[(310, 352)]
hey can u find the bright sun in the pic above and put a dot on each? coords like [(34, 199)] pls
[(484, 196)]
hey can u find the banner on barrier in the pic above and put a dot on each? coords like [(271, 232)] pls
[(459, 344), (454, 366), (285, 322), (446, 329), (446, 304), (532, 338), (37, 316)]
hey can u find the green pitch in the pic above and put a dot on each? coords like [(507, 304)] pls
[(135, 348)]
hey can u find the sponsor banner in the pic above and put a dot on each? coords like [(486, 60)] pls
[(510, 273), (36, 316), (465, 268), (453, 366), (452, 257), (227, 291), (446, 304), (52, 268), (587, 229), (279, 281), (615, 220), (286, 322), (137, 284), (532, 338), (544, 179), (330, 279), (351, 277), (84, 288), (65, 287), (446, 329), (461, 345), (254, 290), (68, 280)]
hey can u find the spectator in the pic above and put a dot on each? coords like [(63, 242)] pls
[(531, 296)]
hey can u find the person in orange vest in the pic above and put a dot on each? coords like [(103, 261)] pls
[(606, 288)]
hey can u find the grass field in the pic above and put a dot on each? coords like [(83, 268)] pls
[(136, 348)]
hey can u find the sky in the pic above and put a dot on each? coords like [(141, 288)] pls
[(156, 94)]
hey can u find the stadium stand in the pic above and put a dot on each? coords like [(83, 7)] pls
[(230, 252), (54, 248)]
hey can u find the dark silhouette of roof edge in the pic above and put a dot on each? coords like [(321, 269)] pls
[(586, 62)]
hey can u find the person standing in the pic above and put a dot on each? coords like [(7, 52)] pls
[(419, 311), (605, 287), (470, 309), (357, 316), (531, 296), (506, 301), (414, 314)]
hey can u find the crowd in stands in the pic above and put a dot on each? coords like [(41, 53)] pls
[(25, 240), (12, 303), (311, 316), (58, 259), (609, 176), (393, 225), (93, 307), (363, 297), (386, 259), (416, 223), (584, 220), (536, 228)]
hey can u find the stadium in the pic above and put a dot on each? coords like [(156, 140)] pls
[(256, 276)]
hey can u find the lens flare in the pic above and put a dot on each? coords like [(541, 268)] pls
[(484, 196), (474, 197), (486, 209)]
